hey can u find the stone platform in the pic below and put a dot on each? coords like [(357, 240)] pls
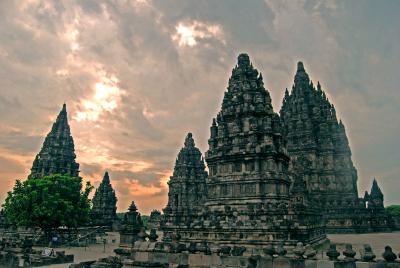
[(378, 241)]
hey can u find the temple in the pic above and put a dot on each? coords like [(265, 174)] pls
[(104, 211), (57, 155), (314, 133), (187, 185), (249, 202)]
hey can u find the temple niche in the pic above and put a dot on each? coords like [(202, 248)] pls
[(104, 211), (313, 132), (249, 198), (57, 155), (187, 185)]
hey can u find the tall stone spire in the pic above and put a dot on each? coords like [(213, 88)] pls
[(301, 77), (57, 155), (375, 190), (187, 185), (313, 132), (104, 204), (248, 185)]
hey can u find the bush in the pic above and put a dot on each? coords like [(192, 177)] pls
[(48, 202), (393, 210)]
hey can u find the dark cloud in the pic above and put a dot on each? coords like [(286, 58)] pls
[(58, 51)]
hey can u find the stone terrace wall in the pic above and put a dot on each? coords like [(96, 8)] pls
[(152, 254)]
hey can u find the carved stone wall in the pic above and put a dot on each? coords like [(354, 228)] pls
[(248, 199)]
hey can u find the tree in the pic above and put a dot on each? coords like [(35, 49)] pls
[(48, 202), (393, 210)]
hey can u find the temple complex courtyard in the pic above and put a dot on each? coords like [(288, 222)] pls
[(378, 241), (91, 252)]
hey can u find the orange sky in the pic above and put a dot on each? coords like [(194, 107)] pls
[(137, 76)]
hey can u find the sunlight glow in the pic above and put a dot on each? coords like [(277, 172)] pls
[(106, 98), (188, 34)]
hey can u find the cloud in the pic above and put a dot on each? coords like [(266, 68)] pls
[(189, 33), (138, 75), (106, 98)]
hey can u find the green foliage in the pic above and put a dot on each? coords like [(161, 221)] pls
[(393, 210), (145, 220), (120, 216), (48, 202)]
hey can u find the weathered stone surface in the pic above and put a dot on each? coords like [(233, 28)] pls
[(3, 223), (131, 227), (154, 220), (247, 199), (104, 211), (57, 155), (187, 185), (314, 133)]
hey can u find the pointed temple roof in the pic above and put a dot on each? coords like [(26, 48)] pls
[(190, 162), (301, 75), (244, 84), (375, 190), (105, 188), (132, 207), (104, 203), (57, 155), (313, 131), (308, 109)]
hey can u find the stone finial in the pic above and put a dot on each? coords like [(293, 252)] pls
[(153, 235), (243, 61), (300, 67), (238, 251), (332, 253), (269, 250), (189, 141), (301, 75), (225, 251), (106, 177), (204, 248), (367, 254), (310, 252), (349, 253), (280, 250), (192, 247), (299, 250), (132, 207), (388, 255)]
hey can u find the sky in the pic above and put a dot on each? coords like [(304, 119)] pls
[(138, 75)]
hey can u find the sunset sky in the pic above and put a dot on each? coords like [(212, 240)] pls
[(138, 75)]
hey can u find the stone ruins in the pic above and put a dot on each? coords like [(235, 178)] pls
[(104, 211), (247, 199), (314, 134), (57, 155), (277, 183)]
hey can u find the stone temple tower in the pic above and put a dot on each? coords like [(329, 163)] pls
[(314, 133), (57, 155), (248, 199), (187, 185), (378, 217), (104, 211)]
